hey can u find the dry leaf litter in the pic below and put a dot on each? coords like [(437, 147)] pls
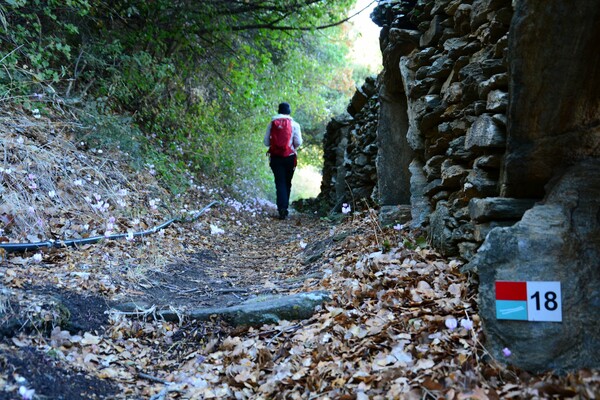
[(402, 322)]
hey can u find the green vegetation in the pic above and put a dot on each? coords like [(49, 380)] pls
[(180, 85)]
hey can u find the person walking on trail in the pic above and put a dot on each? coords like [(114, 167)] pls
[(283, 138)]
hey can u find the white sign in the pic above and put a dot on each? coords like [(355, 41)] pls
[(544, 301)]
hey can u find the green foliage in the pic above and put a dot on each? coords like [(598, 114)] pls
[(104, 131), (38, 39), (101, 130), (311, 154), (199, 81)]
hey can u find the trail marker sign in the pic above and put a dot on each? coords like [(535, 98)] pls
[(529, 301)]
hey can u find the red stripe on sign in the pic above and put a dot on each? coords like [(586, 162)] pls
[(511, 290)]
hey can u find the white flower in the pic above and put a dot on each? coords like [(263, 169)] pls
[(215, 230), (346, 208), (451, 323), (302, 244), (37, 258), (398, 227), (26, 394), (466, 323), (52, 193)]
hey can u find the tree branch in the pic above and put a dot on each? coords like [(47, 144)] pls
[(272, 25)]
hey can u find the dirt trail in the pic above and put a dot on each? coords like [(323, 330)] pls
[(73, 289)]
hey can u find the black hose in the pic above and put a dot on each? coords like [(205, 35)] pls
[(20, 247)]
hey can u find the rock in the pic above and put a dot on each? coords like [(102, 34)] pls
[(498, 208), (453, 94), (479, 183), (452, 7), (433, 187), (440, 230), (498, 81), (264, 309), (454, 128), (490, 33), (556, 241), (438, 147), (457, 150), (439, 7), (420, 207), (485, 134), (497, 101), (440, 69), (480, 231), (394, 152), (433, 167), (480, 11), (442, 195), (357, 102), (471, 75), (457, 47), (401, 42), (361, 160), (488, 162), (389, 215), (462, 19), (553, 98), (432, 35), (467, 250), (420, 88), (452, 174)]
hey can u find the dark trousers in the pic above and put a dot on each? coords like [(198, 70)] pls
[(283, 170)]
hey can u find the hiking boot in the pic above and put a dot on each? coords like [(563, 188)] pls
[(283, 214)]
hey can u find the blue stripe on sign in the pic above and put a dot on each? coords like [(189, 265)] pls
[(511, 309)]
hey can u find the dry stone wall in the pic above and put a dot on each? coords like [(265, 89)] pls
[(350, 149), (485, 123), (436, 128)]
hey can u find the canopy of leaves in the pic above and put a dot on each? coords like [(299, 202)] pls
[(201, 79)]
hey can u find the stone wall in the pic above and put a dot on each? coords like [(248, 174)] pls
[(486, 122), (350, 150), (441, 129)]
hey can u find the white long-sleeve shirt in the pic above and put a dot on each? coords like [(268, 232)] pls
[(295, 140)]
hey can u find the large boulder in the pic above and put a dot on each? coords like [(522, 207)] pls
[(554, 88), (556, 241)]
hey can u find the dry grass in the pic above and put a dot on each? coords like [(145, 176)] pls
[(81, 192), (53, 187)]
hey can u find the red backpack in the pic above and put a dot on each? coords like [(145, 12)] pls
[(280, 139)]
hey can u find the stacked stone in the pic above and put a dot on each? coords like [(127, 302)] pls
[(361, 150), (456, 84), (334, 148), (349, 149), (466, 165)]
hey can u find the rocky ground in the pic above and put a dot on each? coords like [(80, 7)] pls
[(402, 322)]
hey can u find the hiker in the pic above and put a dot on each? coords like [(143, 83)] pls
[(283, 138)]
